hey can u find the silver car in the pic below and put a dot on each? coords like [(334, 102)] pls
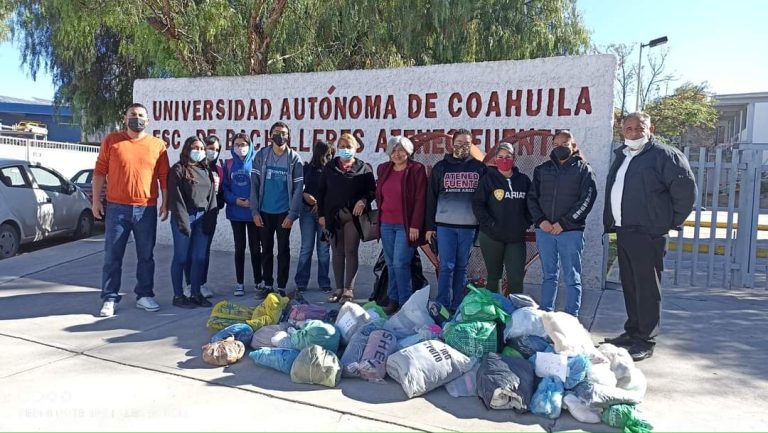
[(36, 203)]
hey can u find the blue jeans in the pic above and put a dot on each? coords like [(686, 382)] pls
[(121, 220), (311, 238), (188, 267), (398, 255), (454, 246), (564, 249), (188, 248)]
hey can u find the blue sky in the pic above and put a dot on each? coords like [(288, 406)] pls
[(720, 42)]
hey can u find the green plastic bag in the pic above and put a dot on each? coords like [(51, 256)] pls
[(471, 338), (480, 306), (623, 416), (375, 307), (512, 352), (317, 366)]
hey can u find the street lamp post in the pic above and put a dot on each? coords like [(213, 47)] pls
[(654, 42)]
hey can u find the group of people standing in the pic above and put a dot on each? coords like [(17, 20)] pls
[(338, 201)]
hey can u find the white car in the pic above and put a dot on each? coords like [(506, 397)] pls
[(36, 203)]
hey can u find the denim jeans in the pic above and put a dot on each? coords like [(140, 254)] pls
[(454, 246), (560, 251), (398, 255), (121, 220), (311, 238), (188, 248), (188, 266)]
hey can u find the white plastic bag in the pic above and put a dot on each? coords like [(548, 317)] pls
[(567, 334), (282, 339), (351, 318), (601, 374), (465, 385), (620, 359), (412, 316), (579, 409), (525, 321)]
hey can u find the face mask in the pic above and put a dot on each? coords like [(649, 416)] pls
[(460, 152), (635, 144), (196, 155), (278, 139), (346, 154), (136, 124), (561, 153), (242, 151), (505, 164), (211, 154)]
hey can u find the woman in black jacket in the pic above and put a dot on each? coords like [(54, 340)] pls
[(192, 204), (500, 207), (561, 196), (347, 188)]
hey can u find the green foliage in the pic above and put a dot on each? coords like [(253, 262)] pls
[(688, 106), (95, 49)]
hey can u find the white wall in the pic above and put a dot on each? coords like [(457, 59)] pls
[(760, 123), (572, 81), (66, 159)]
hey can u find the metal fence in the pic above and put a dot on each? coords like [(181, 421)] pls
[(44, 144), (724, 242)]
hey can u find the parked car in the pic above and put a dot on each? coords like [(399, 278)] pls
[(38, 203), (33, 127), (84, 180)]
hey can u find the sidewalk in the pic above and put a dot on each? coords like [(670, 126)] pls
[(64, 368)]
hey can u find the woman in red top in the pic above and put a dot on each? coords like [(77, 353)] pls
[(401, 193)]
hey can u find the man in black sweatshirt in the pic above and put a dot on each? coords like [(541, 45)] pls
[(449, 215), (562, 194)]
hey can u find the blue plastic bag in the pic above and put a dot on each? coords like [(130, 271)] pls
[(528, 345), (276, 358), (548, 398), (506, 304), (578, 366), (241, 331)]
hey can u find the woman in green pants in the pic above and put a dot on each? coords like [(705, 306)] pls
[(500, 207)]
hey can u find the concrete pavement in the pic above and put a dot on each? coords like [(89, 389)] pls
[(64, 368)]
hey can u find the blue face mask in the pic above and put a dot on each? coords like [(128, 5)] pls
[(346, 154), (196, 155)]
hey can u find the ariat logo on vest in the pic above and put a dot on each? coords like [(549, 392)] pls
[(499, 194)]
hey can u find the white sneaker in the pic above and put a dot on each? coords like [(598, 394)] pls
[(239, 290), (108, 308), (206, 292), (147, 303), (187, 290)]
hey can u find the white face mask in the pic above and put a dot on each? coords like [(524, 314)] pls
[(211, 154), (635, 144), (242, 151)]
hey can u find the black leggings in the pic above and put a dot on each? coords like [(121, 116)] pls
[(239, 229)]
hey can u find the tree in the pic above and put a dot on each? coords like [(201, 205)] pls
[(688, 107), (95, 49)]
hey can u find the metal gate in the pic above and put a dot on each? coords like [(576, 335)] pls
[(724, 242)]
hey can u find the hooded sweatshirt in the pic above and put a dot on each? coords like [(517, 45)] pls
[(236, 176), (451, 186), (500, 205)]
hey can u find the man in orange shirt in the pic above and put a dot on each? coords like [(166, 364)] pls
[(134, 162)]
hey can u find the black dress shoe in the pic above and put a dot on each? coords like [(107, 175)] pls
[(623, 340), (640, 351), (200, 301), (183, 302)]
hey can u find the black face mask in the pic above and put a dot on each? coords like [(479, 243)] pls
[(278, 139), (561, 153), (136, 124)]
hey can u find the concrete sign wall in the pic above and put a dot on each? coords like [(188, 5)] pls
[(493, 99)]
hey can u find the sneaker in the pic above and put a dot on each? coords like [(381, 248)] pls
[(206, 292), (641, 350), (623, 340), (200, 301), (187, 290), (262, 292), (391, 309), (326, 290), (239, 290), (108, 308), (147, 303), (183, 302)]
